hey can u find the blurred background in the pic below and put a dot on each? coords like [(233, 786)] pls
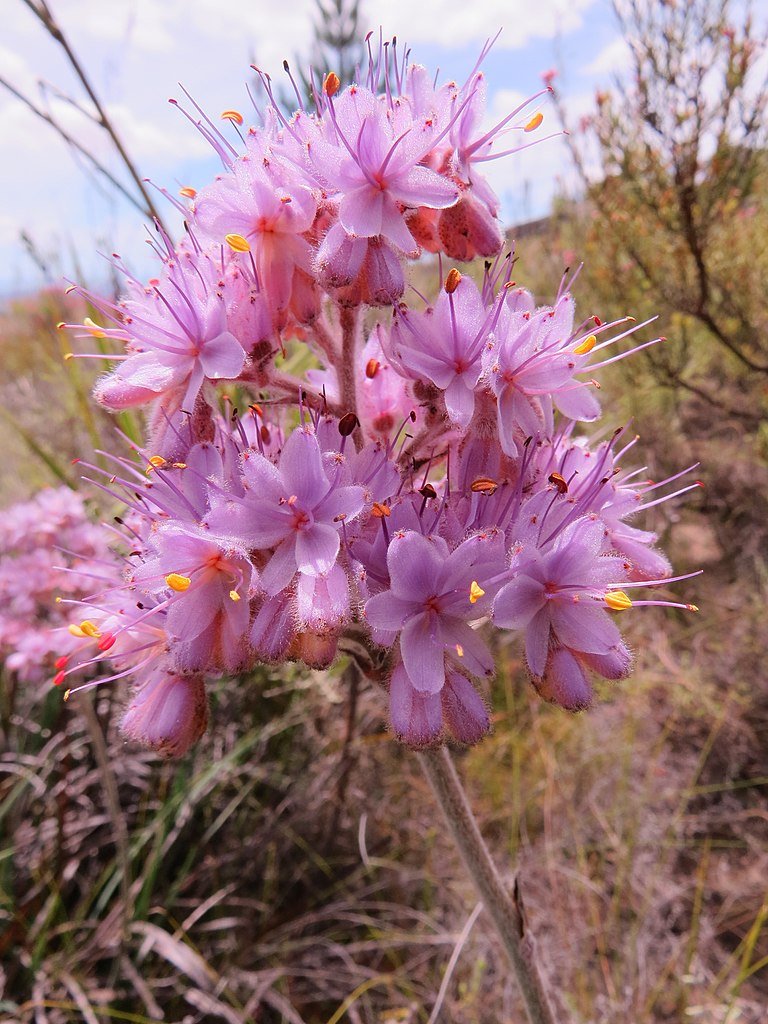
[(293, 868)]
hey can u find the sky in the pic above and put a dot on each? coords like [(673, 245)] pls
[(138, 52)]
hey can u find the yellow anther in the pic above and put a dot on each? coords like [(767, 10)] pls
[(331, 83), (586, 346), (88, 628), (692, 607), (460, 650), (66, 694), (238, 243), (57, 600), (178, 582), (534, 123), (93, 329), (234, 596), (475, 592), (618, 601), (232, 115), (68, 356), (155, 462), (188, 192), (76, 631)]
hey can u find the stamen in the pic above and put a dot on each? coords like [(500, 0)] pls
[(188, 192), (534, 123), (475, 592), (234, 596), (178, 582), (232, 115)]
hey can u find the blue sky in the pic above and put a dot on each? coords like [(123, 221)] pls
[(137, 51)]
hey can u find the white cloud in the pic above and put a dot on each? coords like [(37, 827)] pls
[(458, 24), (615, 57)]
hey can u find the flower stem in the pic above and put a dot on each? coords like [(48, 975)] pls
[(504, 910)]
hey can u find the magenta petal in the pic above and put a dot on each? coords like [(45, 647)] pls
[(361, 211), (222, 357), (423, 650), (280, 569), (537, 641), (583, 626), (415, 565), (579, 403), (460, 402), (316, 549), (416, 717), (388, 612), (467, 648), (421, 186), (517, 602), (301, 466)]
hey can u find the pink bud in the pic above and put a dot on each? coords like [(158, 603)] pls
[(168, 713)]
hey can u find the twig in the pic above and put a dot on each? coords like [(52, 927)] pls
[(43, 13)]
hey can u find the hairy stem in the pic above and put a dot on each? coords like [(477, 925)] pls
[(346, 367), (505, 910)]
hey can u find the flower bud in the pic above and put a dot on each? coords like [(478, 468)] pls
[(168, 713)]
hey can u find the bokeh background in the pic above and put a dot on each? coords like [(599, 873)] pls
[(293, 868)]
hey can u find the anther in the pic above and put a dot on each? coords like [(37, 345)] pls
[(232, 115), (331, 83), (559, 481), (534, 123), (234, 596), (452, 281), (484, 485), (586, 346), (93, 329), (618, 601), (347, 424), (379, 511), (475, 592), (178, 582), (428, 491), (188, 192), (372, 368), (237, 243)]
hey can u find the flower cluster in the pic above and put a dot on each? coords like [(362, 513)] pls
[(49, 548), (423, 480)]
